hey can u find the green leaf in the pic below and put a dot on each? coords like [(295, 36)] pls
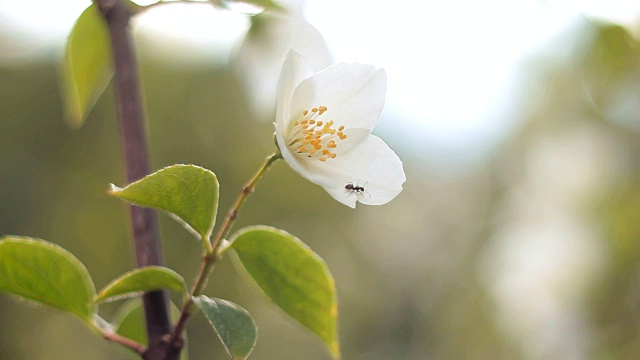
[(136, 282), (187, 192), (129, 322), (87, 67), (233, 324), (293, 276), (45, 273)]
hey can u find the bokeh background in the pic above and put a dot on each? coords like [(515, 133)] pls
[(517, 235)]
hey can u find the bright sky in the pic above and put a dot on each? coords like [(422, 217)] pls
[(449, 70), (452, 65)]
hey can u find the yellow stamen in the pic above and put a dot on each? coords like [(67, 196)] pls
[(314, 138)]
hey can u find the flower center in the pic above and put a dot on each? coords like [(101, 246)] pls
[(314, 138)]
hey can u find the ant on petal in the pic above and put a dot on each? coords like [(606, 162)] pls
[(359, 190)]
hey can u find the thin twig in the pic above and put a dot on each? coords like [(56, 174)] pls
[(126, 342), (247, 189), (209, 260)]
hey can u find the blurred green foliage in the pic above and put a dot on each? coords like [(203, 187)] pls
[(412, 275)]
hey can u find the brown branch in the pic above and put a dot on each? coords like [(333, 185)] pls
[(131, 121), (126, 342)]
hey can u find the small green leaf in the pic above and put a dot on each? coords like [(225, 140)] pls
[(293, 276), (136, 282), (129, 322), (187, 192), (233, 324), (45, 273), (87, 67)]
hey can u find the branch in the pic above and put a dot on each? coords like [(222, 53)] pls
[(136, 155), (126, 342)]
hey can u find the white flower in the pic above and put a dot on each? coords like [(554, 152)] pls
[(323, 128)]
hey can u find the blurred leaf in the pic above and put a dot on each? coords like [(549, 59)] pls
[(618, 210), (293, 276), (233, 324), (609, 69), (45, 273), (87, 67), (140, 280), (612, 53), (188, 192), (129, 322)]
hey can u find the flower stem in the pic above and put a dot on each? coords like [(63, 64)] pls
[(211, 257), (247, 189)]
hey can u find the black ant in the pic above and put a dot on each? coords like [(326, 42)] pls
[(356, 189)]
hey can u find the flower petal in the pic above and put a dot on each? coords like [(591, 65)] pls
[(353, 94), (300, 165), (371, 165), (354, 137), (258, 61), (295, 69), (311, 168)]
